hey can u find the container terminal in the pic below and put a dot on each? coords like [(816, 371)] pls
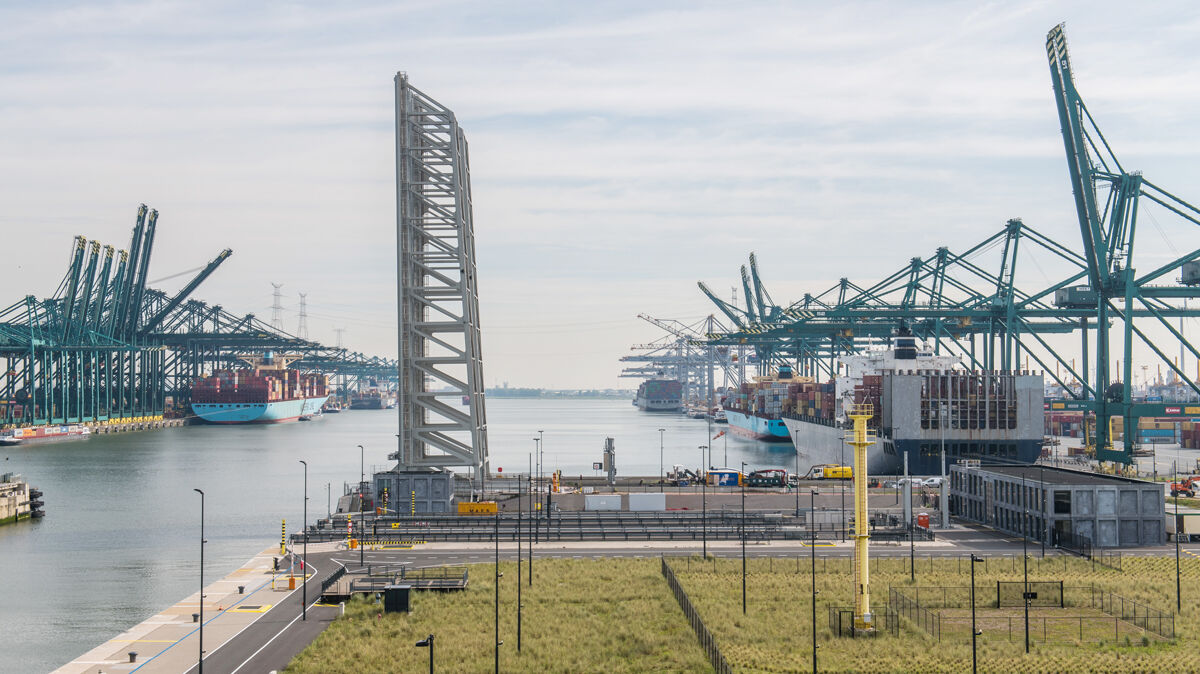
[(943, 362)]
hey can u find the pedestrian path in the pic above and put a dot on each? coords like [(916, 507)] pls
[(170, 641)]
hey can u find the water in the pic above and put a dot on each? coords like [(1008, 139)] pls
[(120, 540)]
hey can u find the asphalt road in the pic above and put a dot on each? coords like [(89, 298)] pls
[(269, 643)]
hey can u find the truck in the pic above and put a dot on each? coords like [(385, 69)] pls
[(830, 471), (769, 477)]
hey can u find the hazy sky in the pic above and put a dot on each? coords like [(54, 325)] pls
[(620, 151)]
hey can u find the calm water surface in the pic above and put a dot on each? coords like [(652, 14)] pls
[(120, 540)]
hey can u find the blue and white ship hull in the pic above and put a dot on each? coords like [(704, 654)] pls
[(759, 428), (258, 413)]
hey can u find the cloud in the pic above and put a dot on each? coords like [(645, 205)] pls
[(620, 151)]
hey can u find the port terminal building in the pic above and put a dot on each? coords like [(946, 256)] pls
[(1059, 506)]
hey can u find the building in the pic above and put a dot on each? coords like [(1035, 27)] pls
[(1059, 506)]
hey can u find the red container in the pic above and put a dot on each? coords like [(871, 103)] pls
[(923, 520)]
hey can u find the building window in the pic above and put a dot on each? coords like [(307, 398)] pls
[(1062, 503)]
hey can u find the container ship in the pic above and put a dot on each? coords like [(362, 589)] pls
[(267, 392), (756, 410), (373, 399), (21, 436), (659, 395), (919, 399)]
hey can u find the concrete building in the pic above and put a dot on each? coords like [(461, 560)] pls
[(1058, 505)]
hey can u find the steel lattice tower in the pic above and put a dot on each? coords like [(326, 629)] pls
[(441, 365), (302, 326)]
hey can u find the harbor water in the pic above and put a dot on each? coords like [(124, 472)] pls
[(120, 540)]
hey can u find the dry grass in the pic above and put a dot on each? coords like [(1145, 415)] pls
[(776, 633), (613, 615)]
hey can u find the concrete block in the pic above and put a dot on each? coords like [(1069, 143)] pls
[(648, 502), (602, 502), (1127, 504), (1106, 502)]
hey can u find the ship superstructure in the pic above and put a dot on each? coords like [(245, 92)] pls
[(918, 400)]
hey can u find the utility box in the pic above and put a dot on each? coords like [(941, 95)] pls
[(648, 502), (397, 599), (1079, 297), (1191, 273)]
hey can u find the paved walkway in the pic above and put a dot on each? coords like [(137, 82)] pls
[(170, 640)]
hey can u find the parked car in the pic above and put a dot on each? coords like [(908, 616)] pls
[(932, 482)]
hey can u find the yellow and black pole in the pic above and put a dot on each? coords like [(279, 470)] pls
[(414, 503), (863, 620), (283, 538)]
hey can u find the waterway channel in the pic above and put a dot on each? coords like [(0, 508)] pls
[(120, 540)]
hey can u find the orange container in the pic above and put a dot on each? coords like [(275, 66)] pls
[(923, 520)]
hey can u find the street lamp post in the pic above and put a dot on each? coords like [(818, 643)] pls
[(1042, 507), (200, 655), (662, 475), (304, 564), (362, 502), (704, 504), (498, 575), (1178, 595), (532, 513), (842, 462), (797, 477), (520, 512), (974, 632), (427, 642), (328, 502), (912, 552), (813, 553), (537, 452), (742, 479), (1025, 554)]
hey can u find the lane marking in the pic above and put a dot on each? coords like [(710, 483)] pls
[(315, 570)]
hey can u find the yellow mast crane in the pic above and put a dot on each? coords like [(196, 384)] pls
[(862, 437)]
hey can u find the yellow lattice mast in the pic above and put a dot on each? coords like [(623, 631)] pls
[(862, 437)]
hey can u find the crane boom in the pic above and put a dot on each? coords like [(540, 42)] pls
[(186, 291)]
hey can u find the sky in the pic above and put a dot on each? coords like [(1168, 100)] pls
[(620, 151)]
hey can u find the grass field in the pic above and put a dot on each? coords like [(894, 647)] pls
[(580, 616), (775, 634), (617, 615)]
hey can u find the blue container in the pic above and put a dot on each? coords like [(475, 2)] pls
[(1156, 432), (723, 478)]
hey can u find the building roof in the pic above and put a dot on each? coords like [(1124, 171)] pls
[(1051, 475)]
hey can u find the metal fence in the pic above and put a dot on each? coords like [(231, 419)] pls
[(841, 622), (934, 609), (707, 642), (1072, 542), (1012, 593), (923, 617), (1149, 619), (333, 578), (1108, 558)]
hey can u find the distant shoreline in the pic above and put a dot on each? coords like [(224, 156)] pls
[(559, 393)]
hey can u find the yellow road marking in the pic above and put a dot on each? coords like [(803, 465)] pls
[(818, 545)]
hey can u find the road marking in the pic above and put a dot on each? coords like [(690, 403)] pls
[(146, 641), (218, 615)]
